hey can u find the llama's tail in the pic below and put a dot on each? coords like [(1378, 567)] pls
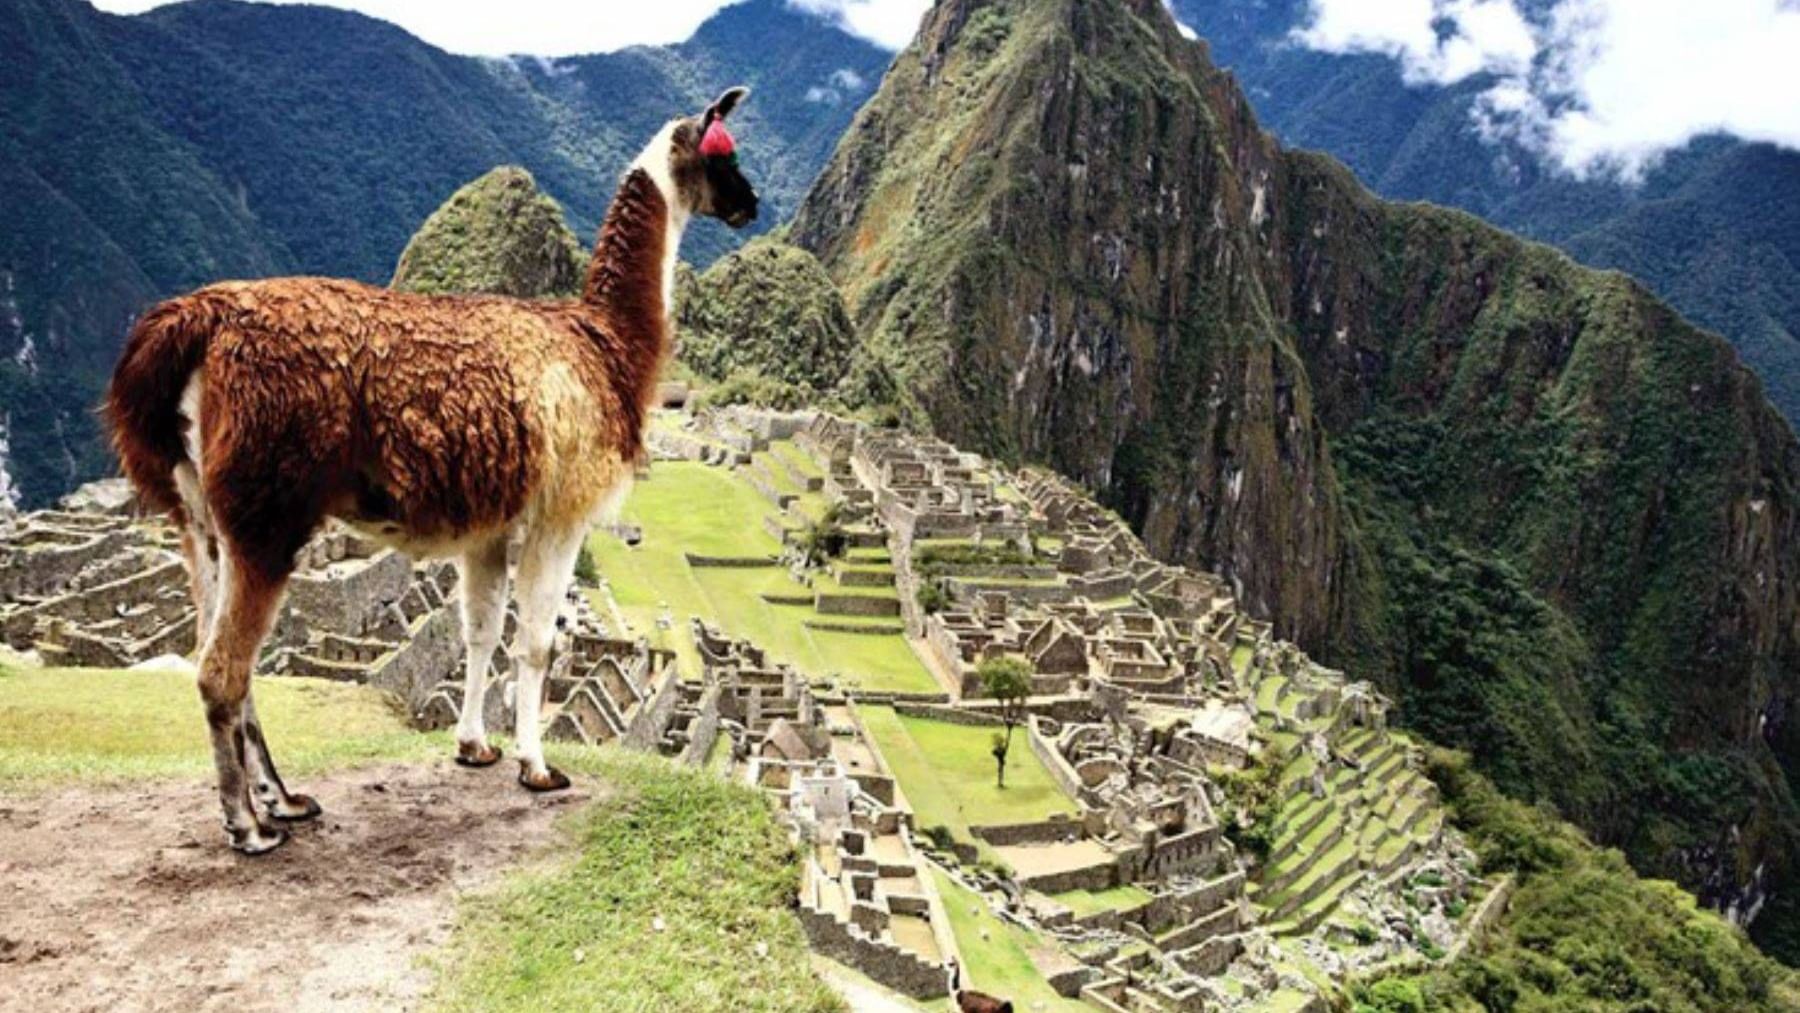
[(143, 402)]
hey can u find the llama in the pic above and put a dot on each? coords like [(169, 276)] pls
[(442, 425), (968, 1000)]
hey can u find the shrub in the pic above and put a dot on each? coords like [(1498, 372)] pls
[(749, 387), (932, 597), (586, 570)]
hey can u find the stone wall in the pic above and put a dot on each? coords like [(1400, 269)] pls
[(735, 562), (433, 654), (1053, 760), (704, 729), (646, 727), (948, 714), (904, 972), (1092, 877), (856, 605), (1051, 831)]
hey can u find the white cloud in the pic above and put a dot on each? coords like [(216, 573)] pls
[(1181, 26), (536, 27), (571, 27), (889, 24), (1597, 86), (1436, 41)]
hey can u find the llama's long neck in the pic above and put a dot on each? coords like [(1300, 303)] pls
[(631, 280)]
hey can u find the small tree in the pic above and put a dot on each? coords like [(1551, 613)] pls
[(1008, 681), (824, 538), (586, 570)]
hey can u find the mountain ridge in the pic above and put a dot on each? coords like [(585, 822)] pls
[(1555, 519), (1710, 228), (215, 139)]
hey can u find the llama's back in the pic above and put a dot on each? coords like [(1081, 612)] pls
[(423, 418)]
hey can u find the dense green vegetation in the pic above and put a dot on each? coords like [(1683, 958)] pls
[(498, 234), (1582, 930), (142, 156), (677, 897), (770, 311)]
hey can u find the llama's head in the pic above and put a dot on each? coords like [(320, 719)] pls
[(703, 165)]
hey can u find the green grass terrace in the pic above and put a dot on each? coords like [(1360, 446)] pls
[(946, 772), (685, 507)]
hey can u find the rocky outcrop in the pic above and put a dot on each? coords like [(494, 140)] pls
[(1554, 518)]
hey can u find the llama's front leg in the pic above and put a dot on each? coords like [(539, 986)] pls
[(545, 571), (265, 781), (484, 617), (246, 607)]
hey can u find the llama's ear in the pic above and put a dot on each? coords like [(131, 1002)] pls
[(725, 104)]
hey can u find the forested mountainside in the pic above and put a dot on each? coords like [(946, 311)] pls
[(141, 156), (1714, 229), (1557, 521)]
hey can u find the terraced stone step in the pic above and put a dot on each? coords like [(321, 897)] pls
[(1312, 914), (1331, 867), (855, 575)]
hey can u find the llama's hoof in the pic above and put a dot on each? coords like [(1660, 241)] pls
[(550, 780), (297, 809), (472, 755), (256, 840)]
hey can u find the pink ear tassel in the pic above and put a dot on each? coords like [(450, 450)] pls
[(717, 141)]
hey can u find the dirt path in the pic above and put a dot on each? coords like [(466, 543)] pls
[(126, 898)]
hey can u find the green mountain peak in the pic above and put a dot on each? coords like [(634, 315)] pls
[(498, 234)]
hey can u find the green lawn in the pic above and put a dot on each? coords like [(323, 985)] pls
[(947, 773), (59, 725), (1118, 898), (801, 461), (703, 855), (685, 507), (997, 955)]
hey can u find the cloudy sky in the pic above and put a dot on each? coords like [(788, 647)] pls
[(568, 27), (1594, 86)]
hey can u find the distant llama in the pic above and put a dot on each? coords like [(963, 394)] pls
[(442, 425), (968, 1000)]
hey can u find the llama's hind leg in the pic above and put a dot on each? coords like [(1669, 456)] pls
[(265, 781), (483, 616), (545, 570), (200, 546), (246, 605)]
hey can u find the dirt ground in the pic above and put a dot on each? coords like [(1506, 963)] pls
[(126, 898)]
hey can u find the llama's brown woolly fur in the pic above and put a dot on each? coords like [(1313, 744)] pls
[(431, 417)]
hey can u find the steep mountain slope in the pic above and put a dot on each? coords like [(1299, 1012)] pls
[(1714, 229), (210, 139), (1555, 519)]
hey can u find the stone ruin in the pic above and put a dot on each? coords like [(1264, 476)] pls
[(91, 584)]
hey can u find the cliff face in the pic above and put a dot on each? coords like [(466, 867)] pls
[(1038, 222), (1555, 519)]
